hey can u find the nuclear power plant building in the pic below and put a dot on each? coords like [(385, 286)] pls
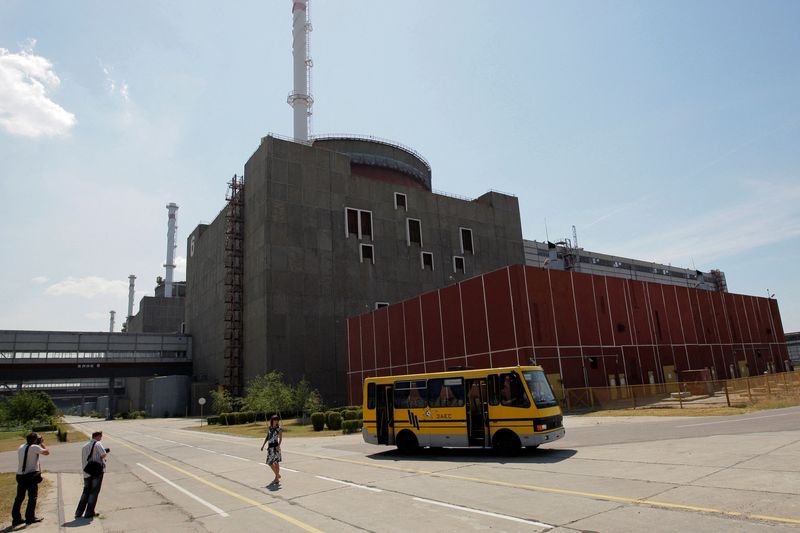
[(319, 231)]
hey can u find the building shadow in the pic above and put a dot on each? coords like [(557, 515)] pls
[(472, 455)]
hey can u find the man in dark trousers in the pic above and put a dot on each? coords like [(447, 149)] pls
[(28, 478), (92, 451)]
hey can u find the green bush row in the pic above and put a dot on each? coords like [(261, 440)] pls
[(352, 426), (242, 417)]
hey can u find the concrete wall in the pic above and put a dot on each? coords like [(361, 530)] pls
[(158, 315), (167, 396), (302, 273), (205, 307)]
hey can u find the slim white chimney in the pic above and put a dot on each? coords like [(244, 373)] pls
[(111, 322), (300, 98), (131, 280), (172, 211)]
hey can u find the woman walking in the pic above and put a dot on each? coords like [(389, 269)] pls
[(273, 443)]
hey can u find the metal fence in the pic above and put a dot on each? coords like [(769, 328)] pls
[(739, 392)]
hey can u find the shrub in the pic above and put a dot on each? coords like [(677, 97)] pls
[(349, 414), (137, 414), (227, 419), (318, 421), (359, 414), (212, 420), (335, 421), (351, 426), (61, 435), (43, 428)]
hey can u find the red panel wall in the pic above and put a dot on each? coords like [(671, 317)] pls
[(630, 329)]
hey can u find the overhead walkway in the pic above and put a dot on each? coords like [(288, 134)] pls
[(62, 355)]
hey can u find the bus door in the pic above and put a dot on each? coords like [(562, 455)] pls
[(477, 412), (384, 413)]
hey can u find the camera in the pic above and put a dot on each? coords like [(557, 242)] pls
[(39, 439), (108, 450)]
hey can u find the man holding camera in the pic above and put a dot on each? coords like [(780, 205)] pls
[(29, 475), (93, 456)]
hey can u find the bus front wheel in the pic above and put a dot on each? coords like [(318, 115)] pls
[(406, 442), (506, 442)]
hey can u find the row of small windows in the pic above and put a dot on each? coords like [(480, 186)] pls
[(504, 389), (358, 223), (367, 254)]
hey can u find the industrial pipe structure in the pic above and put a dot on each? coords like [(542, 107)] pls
[(300, 98), (172, 210), (111, 322), (131, 282)]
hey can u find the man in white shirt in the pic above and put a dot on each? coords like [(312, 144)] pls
[(91, 451), (28, 467)]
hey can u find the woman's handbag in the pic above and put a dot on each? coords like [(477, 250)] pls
[(93, 468)]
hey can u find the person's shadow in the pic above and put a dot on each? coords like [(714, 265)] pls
[(77, 522)]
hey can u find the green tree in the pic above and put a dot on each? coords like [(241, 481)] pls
[(300, 393), (27, 407), (221, 402), (312, 404), (268, 394)]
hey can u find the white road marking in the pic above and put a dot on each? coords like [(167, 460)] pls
[(486, 513), (178, 443), (206, 450), (193, 496), (289, 469), (736, 420), (234, 456), (349, 484)]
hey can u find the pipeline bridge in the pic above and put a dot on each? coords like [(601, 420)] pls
[(74, 362)]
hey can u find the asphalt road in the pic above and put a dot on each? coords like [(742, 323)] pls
[(609, 474)]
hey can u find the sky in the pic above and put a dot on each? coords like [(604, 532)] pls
[(663, 131)]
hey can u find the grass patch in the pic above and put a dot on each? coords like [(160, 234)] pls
[(8, 491), (291, 428), (696, 411), (11, 440)]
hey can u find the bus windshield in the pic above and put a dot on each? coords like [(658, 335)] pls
[(540, 389)]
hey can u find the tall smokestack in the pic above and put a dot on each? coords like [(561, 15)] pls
[(111, 322), (172, 211), (300, 98), (131, 280)]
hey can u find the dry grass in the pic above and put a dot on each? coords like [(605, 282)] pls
[(697, 411), (291, 428), (8, 491), (11, 440)]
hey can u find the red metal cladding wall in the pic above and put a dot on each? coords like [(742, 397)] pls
[(587, 329)]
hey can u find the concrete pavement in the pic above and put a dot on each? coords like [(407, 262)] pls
[(609, 474)]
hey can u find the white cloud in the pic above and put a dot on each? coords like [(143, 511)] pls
[(88, 287), (121, 88), (39, 280), (767, 215), (25, 107)]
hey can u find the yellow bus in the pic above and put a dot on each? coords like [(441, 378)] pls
[(500, 408)]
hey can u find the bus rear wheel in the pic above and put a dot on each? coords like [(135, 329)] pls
[(506, 443), (407, 442)]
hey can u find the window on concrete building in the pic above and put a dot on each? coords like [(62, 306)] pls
[(413, 231), (367, 253), (427, 260), (351, 219), (358, 223), (366, 224), (458, 264), (379, 305), (466, 241), (400, 201)]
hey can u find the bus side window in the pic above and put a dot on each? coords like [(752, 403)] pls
[(494, 390), (446, 392), (417, 397), (370, 396), (401, 391)]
